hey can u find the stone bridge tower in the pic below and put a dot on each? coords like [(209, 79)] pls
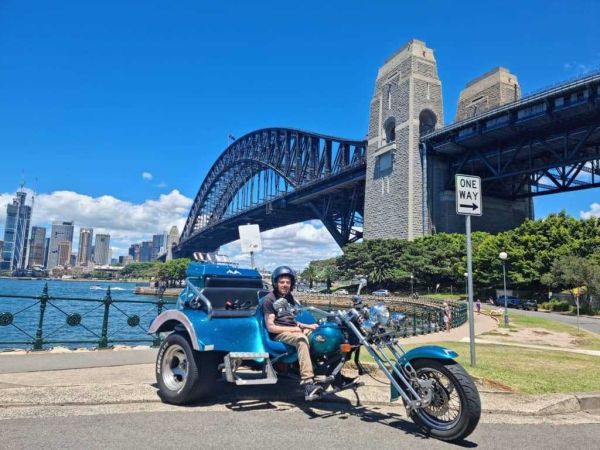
[(406, 103)]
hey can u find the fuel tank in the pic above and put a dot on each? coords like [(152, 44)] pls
[(326, 339)]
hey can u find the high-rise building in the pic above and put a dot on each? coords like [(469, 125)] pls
[(16, 234), (1, 247), (37, 247), (134, 252), (102, 249), (63, 254), (172, 240), (61, 232), (146, 251), (84, 255), (158, 244), (46, 249), (124, 260)]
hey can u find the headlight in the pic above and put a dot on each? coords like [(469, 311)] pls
[(380, 313), (369, 325), (397, 318)]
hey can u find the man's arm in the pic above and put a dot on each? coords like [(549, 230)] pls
[(308, 326), (276, 329)]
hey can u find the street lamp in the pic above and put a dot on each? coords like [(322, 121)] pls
[(411, 284), (503, 256)]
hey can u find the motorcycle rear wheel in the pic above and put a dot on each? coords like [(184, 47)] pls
[(455, 409)]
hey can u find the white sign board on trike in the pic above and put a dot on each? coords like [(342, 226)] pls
[(468, 195)]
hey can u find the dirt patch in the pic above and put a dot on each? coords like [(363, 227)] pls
[(535, 336)]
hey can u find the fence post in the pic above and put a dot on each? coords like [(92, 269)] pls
[(39, 340), (414, 333), (159, 307), (103, 343)]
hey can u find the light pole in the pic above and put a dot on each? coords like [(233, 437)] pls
[(466, 285), (412, 277), (503, 256)]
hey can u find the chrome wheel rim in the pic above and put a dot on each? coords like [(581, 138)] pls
[(175, 368), (444, 411)]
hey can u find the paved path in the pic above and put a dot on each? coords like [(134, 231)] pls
[(483, 324), (587, 323), (269, 426)]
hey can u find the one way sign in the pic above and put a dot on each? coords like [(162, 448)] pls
[(468, 195)]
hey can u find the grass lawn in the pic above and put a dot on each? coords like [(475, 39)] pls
[(585, 340), (528, 371)]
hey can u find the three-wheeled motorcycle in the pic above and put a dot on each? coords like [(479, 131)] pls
[(217, 331)]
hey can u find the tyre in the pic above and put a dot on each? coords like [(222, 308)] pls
[(455, 409), (183, 374)]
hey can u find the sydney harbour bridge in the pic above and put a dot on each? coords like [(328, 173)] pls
[(399, 182)]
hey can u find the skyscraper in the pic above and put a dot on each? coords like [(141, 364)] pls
[(146, 251), (63, 257), (61, 232), (158, 243), (84, 254), (172, 239), (16, 234), (37, 247), (102, 249), (46, 249), (134, 252)]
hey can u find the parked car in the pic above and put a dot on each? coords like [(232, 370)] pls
[(342, 292), (530, 305), (381, 293), (511, 302)]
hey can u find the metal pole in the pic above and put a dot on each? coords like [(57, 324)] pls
[(505, 297), (577, 300), (470, 292)]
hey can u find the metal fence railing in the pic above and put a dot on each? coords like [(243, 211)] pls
[(424, 315), (37, 322)]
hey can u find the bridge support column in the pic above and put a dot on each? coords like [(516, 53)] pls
[(407, 102)]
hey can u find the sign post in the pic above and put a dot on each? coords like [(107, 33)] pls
[(468, 203), (250, 240)]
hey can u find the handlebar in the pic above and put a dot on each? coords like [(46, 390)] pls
[(200, 296)]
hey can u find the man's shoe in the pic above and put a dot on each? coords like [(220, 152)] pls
[(312, 391), (322, 379)]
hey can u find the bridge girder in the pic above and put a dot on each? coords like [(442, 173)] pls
[(277, 167)]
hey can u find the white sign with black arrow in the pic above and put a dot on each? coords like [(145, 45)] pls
[(468, 195), (468, 203)]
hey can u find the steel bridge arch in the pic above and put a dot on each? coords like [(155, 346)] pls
[(295, 157)]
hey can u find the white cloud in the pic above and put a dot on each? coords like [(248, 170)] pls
[(126, 222), (294, 245), (593, 212), (162, 184), (146, 176)]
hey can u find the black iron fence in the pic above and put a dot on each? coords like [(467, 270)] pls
[(37, 322)]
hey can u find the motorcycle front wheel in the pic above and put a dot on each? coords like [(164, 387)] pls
[(455, 409)]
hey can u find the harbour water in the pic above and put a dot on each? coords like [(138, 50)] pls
[(128, 317)]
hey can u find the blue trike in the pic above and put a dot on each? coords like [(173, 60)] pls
[(217, 332)]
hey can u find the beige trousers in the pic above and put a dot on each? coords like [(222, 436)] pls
[(300, 341)]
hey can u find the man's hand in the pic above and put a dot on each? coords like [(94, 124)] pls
[(312, 326)]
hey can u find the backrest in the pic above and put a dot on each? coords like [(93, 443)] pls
[(218, 296)]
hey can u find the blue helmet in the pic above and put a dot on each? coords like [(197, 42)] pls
[(283, 270)]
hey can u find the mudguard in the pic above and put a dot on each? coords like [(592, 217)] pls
[(425, 352)]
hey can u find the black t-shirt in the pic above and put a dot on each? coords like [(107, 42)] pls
[(284, 309)]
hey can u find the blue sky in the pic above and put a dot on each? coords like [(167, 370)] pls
[(94, 94)]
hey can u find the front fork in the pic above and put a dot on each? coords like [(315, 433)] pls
[(397, 371)]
